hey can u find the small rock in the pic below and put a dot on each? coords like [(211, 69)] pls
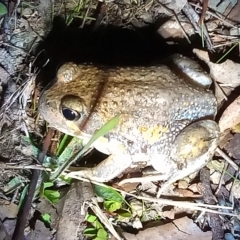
[(215, 177), (171, 29), (235, 189), (182, 184)]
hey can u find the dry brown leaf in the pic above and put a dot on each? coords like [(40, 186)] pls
[(194, 187), (128, 187), (231, 116), (227, 72), (168, 7), (234, 146), (8, 210), (183, 228), (169, 214), (225, 138), (187, 193)]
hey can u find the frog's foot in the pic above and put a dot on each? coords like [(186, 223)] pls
[(192, 149), (106, 171)]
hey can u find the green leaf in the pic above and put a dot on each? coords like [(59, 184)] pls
[(112, 206), (112, 123), (3, 9), (97, 224), (90, 232), (35, 149), (98, 238), (124, 213), (65, 179), (108, 193), (52, 195), (90, 218), (24, 193), (219, 60), (72, 148), (94, 221), (102, 234), (46, 218), (106, 128), (47, 185), (63, 144), (97, 231), (12, 185)]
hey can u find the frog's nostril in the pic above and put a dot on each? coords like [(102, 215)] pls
[(70, 114)]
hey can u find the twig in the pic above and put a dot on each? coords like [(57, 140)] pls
[(14, 96), (214, 15), (194, 18), (32, 167), (204, 10), (227, 158), (85, 17), (214, 219), (15, 47), (182, 204), (222, 176), (26, 206), (225, 44)]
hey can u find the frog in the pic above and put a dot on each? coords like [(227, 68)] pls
[(166, 116)]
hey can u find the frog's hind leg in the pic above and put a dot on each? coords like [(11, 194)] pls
[(192, 149)]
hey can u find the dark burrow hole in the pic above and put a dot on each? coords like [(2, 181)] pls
[(108, 45)]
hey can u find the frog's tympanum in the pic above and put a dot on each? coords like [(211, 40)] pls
[(165, 117)]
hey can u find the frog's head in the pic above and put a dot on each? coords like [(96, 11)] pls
[(60, 103)]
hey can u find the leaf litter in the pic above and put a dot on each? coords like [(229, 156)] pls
[(17, 124)]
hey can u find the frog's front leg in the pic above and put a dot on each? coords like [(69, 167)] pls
[(107, 170)]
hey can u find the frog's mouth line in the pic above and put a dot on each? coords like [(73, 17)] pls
[(77, 131), (99, 144)]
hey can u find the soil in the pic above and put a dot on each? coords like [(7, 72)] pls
[(36, 37)]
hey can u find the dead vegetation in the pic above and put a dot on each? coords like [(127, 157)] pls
[(32, 46)]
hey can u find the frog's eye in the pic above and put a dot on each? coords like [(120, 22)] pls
[(70, 114)]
